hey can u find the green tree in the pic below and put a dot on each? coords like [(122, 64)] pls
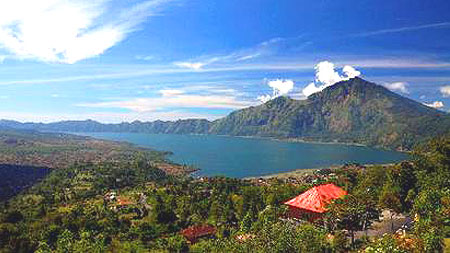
[(348, 213), (177, 243), (246, 222), (65, 242), (390, 199)]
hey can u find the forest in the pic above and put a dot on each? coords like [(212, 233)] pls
[(134, 206)]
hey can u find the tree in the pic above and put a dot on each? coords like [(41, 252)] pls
[(348, 213), (177, 243), (431, 216), (385, 244), (65, 242), (390, 199), (246, 222)]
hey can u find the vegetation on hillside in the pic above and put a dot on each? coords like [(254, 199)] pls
[(349, 111), (16, 178), (132, 206), (353, 111), (50, 150)]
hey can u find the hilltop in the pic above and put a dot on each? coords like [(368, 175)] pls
[(349, 111)]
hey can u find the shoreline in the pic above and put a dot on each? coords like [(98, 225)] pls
[(301, 140), (304, 172), (282, 139)]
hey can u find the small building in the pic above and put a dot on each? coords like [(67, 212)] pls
[(311, 204), (110, 196), (123, 202), (194, 233)]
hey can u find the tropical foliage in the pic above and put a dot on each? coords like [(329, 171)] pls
[(133, 206)]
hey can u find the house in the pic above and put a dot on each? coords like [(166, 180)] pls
[(312, 204), (193, 233), (123, 202), (110, 196)]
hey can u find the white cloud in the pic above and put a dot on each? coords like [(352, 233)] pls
[(326, 75), (311, 89), (174, 101), (264, 98), (67, 30), (279, 87), (404, 29), (397, 86), (350, 72), (435, 104), (171, 92), (190, 65), (248, 57), (262, 49), (445, 91)]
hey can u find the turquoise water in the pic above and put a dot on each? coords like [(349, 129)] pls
[(245, 157)]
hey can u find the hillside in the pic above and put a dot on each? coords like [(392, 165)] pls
[(132, 206), (16, 178), (349, 111), (353, 111), (189, 126), (24, 148)]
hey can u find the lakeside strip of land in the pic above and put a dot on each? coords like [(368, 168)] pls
[(304, 172), (310, 141)]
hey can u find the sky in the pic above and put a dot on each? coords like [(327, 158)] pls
[(115, 60)]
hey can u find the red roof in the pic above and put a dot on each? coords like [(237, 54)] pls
[(317, 198), (193, 232)]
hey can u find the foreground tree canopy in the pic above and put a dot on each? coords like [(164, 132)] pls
[(133, 206)]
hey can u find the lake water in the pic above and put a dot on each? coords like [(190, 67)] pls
[(245, 157)]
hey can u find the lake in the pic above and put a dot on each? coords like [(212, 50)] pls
[(246, 157)]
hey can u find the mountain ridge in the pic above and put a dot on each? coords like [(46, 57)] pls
[(351, 111)]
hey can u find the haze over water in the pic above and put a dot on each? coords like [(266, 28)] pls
[(245, 157)]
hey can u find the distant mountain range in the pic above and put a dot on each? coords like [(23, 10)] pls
[(353, 111)]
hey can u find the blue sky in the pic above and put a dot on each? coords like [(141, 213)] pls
[(116, 61)]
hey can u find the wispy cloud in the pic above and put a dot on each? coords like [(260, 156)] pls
[(144, 57), (174, 100), (435, 104), (403, 29), (397, 86), (192, 65), (68, 31), (132, 71), (445, 91), (105, 117), (265, 48), (248, 57), (171, 92)]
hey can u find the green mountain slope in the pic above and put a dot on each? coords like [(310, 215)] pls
[(353, 111), (349, 111)]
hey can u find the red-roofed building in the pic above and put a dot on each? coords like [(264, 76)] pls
[(193, 233), (312, 203)]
